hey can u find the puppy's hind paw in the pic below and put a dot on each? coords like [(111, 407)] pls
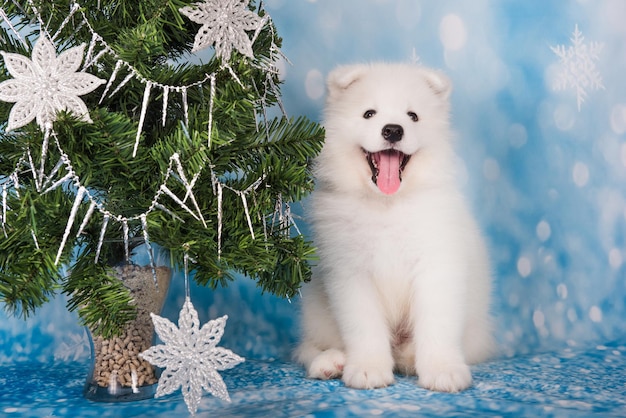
[(446, 377), (327, 365)]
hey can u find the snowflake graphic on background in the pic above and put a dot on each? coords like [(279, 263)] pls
[(578, 66), (191, 357), (46, 85), (224, 23)]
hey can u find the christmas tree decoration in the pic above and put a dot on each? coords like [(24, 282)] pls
[(46, 85), (190, 356), (157, 157), (224, 24)]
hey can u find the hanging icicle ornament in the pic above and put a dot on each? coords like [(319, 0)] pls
[(142, 117), (211, 100), (166, 93), (8, 22), (116, 69), (46, 85), (103, 229), (190, 356), (4, 206), (220, 188), (146, 241), (77, 201), (224, 25)]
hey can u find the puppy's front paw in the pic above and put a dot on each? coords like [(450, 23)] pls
[(327, 365), (445, 377), (367, 376)]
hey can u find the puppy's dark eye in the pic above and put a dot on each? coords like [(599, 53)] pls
[(413, 116), (369, 113)]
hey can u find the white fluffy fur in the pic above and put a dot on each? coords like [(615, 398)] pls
[(403, 282)]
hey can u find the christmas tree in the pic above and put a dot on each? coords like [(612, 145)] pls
[(112, 141)]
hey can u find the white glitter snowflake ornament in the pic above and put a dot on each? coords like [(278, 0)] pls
[(191, 357), (224, 23), (46, 85)]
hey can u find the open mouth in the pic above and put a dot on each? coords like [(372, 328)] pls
[(387, 167)]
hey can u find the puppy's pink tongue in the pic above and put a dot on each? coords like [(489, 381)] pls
[(388, 171)]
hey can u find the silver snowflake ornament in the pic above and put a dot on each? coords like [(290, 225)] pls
[(45, 85), (190, 356), (578, 66), (224, 24)]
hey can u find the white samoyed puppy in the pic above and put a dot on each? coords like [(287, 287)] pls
[(403, 282)]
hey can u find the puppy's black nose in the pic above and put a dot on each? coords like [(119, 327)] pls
[(393, 133)]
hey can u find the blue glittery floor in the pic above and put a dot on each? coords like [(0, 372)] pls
[(565, 384)]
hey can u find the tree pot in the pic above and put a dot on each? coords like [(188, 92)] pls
[(117, 373)]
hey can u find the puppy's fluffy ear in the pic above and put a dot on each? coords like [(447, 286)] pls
[(438, 82), (342, 77)]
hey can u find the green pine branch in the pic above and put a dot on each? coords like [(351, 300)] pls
[(243, 149)]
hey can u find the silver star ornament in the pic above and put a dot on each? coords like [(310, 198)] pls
[(191, 357), (224, 23), (45, 85)]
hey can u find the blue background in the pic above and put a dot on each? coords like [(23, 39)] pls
[(545, 175)]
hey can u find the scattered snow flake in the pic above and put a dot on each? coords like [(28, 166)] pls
[(578, 66)]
